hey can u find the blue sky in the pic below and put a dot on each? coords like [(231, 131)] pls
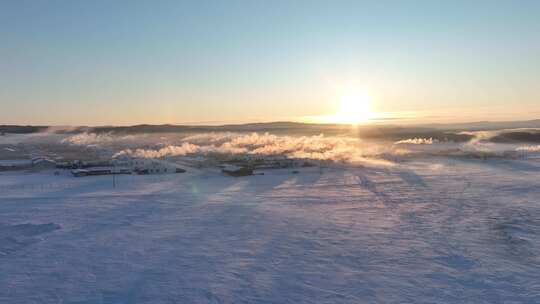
[(127, 62)]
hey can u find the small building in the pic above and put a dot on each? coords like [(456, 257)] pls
[(42, 163), (148, 166), (89, 172), (236, 171), (35, 164), (100, 171), (15, 164)]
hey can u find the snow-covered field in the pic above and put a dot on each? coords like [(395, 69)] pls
[(426, 231)]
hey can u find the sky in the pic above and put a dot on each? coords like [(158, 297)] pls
[(210, 62)]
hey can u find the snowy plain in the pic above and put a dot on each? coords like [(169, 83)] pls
[(435, 230)]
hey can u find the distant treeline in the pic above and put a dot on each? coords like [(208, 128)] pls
[(509, 137), (21, 129)]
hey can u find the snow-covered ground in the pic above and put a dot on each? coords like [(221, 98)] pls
[(430, 231)]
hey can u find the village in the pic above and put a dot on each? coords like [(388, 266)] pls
[(231, 166)]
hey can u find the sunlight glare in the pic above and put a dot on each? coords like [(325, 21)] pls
[(353, 109)]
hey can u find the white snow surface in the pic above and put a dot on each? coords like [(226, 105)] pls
[(430, 231)]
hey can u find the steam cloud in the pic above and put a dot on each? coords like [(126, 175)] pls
[(318, 147), (529, 148), (417, 141), (312, 147), (87, 139)]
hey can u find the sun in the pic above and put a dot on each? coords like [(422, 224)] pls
[(353, 109)]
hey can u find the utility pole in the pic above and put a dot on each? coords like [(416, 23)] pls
[(114, 176)]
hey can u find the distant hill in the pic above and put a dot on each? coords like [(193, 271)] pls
[(274, 127), (297, 126), (442, 132)]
